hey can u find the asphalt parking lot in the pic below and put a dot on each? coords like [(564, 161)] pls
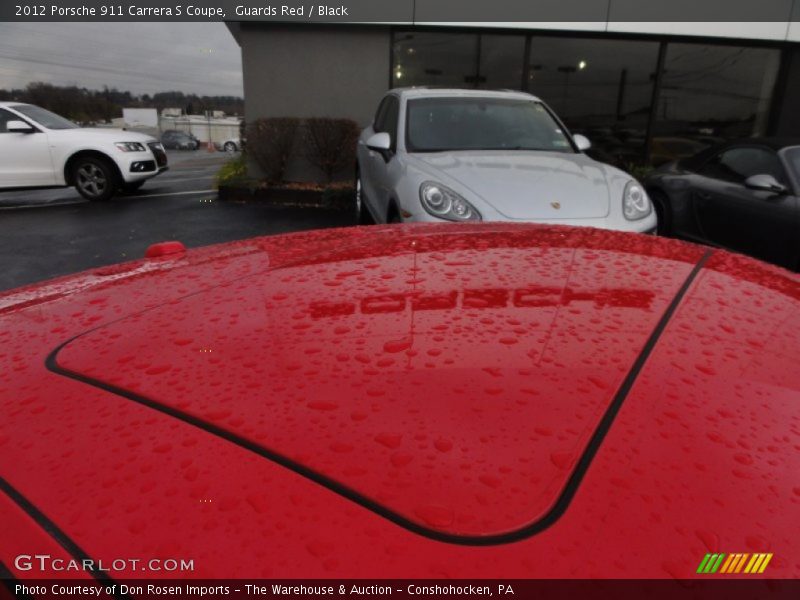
[(47, 233)]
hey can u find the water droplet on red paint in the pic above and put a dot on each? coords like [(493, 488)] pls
[(397, 345), (561, 459), (390, 440), (490, 481), (341, 447), (443, 445), (401, 459), (321, 405), (707, 370), (435, 516), (710, 540)]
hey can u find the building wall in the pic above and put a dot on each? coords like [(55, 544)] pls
[(773, 20), (313, 71), (321, 71)]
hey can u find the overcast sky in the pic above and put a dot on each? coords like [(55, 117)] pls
[(201, 58)]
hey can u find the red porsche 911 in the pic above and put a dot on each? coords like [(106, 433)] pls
[(456, 401)]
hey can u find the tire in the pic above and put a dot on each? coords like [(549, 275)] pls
[(95, 178), (130, 188), (229, 147), (663, 211), (363, 217)]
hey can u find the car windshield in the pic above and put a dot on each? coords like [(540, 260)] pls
[(793, 158), (447, 124), (43, 117)]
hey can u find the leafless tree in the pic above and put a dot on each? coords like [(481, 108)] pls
[(330, 144), (270, 143)]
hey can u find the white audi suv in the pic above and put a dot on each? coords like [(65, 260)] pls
[(41, 149)]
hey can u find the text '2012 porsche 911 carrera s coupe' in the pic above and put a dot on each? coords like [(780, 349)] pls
[(480, 401)]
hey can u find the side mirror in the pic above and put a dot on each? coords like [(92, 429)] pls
[(582, 142), (19, 127), (380, 142), (765, 183)]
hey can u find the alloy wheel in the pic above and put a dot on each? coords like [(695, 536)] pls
[(92, 180)]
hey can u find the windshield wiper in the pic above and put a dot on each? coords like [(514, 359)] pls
[(487, 149)]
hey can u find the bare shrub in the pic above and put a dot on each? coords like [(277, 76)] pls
[(270, 142), (330, 144)]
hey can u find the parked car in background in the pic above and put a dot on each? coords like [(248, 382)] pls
[(229, 145), (470, 155), (40, 149), (179, 140), (665, 149), (742, 195)]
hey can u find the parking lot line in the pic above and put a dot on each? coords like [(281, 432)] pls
[(44, 205), (176, 180), (174, 194)]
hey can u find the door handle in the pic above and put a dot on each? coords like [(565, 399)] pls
[(703, 195)]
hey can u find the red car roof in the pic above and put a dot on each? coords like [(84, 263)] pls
[(546, 394)]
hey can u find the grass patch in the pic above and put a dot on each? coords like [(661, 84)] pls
[(233, 172)]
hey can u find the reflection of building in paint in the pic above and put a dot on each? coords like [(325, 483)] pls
[(486, 298)]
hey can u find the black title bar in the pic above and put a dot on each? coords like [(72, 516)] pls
[(711, 588), (526, 12)]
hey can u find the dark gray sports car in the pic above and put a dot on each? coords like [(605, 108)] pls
[(742, 195)]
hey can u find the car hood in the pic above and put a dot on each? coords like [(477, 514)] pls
[(339, 403), (525, 185)]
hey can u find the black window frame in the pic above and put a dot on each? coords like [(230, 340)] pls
[(377, 121), (788, 166), (381, 123), (664, 40), (393, 107), (14, 117), (783, 179)]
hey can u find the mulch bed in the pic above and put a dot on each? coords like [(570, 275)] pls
[(331, 197)]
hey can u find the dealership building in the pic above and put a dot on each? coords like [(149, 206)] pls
[(643, 92)]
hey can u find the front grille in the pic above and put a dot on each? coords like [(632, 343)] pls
[(158, 152)]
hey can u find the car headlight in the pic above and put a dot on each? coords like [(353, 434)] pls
[(442, 202), (130, 146), (635, 203)]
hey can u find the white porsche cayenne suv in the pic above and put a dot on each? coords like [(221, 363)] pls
[(40, 149), (471, 155)]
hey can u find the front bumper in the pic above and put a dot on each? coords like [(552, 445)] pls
[(140, 166)]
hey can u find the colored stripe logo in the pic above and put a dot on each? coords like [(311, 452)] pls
[(737, 562)]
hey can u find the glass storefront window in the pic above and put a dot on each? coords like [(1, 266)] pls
[(709, 94), (502, 58), (600, 88), (603, 88), (437, 59)]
